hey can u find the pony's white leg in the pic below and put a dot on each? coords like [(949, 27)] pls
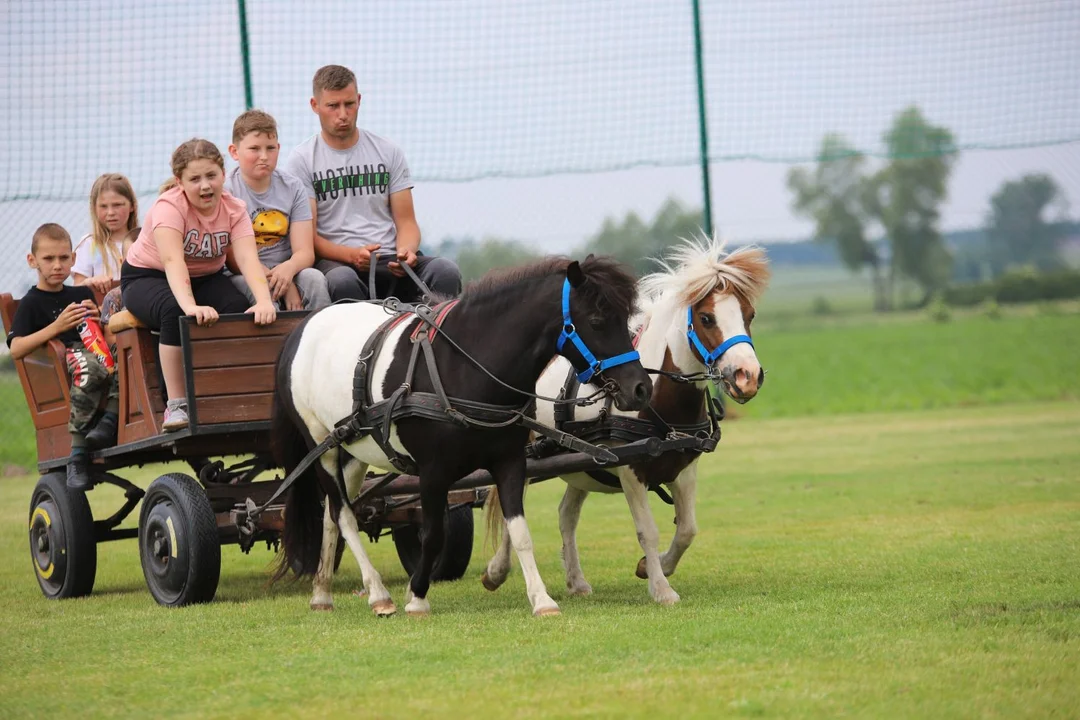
[(541, 602), (637, 497), (322, 597), (378, 596), (569, 515), (683, 493), (498, 567)]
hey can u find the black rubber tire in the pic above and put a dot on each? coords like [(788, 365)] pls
[(62, 545), (457, 547), (178, 542)]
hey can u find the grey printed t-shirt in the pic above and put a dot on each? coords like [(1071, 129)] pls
[(352, 188), (272, 213)]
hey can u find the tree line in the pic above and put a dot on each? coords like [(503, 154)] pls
[(880, 217)]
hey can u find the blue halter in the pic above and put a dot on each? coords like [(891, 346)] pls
[(569, 332), (709, 358)]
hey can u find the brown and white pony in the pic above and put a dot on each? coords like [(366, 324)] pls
[(720, 290)]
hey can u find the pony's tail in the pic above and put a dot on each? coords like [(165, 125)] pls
[(301, 537), (494, 522)]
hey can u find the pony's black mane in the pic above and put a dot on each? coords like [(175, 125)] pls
[(611, 285)]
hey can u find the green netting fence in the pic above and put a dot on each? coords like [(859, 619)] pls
[(484, 88)]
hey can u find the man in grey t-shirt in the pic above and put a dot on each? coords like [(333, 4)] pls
[(360, 191)]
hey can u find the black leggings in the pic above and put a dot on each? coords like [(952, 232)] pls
[(149, 298)]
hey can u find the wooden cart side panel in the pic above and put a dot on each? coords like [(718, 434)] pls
[(141, 406), (231, 370), (44, 381)]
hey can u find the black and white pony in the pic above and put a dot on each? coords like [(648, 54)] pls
[(695, 320), (512, 323)]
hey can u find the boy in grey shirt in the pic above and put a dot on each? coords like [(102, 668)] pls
[(280, 213)]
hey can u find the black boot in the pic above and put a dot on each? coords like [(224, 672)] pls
[(104, 433), (78, 473)]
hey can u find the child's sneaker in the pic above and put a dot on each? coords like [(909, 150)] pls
[(176, 417)]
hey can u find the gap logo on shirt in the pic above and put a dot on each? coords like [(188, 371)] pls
[(209, 245)]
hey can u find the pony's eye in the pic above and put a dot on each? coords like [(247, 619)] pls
[(708, 320), (596, 322)]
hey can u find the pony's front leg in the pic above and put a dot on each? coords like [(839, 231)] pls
[(683, 493), (322, 597), (378, 596), (509, 476), (637, 497), (434, 485), (569, 515)]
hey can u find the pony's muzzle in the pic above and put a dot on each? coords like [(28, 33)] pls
[(635, 397), (742, 383)]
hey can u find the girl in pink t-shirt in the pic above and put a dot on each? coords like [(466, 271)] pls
[(175, 266)]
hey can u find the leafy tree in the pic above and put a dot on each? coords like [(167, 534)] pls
[(906, 195), (477, 258), (1017, 230), (835, 197), (637, 244)]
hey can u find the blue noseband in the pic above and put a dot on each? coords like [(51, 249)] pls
[(569, 332), (709, 358)]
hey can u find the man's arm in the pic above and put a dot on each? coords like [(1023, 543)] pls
[(408, 231), (324, 248)]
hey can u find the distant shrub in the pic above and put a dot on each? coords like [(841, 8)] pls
[(968, 294), (939, 311), (1028, 286), (991, 309), (1017, 286), (821, 306)]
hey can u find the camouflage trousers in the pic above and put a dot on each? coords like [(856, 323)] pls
[(90, 384)]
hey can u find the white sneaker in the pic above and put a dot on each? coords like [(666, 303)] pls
[(176, 417)]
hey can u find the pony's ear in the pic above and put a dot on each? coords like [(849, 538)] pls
[(575, 275), (589, 257)]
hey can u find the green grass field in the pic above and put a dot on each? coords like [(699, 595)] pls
[(918, 564)]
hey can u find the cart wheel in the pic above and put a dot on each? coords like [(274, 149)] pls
[(457, 548), (178, 542), (62, 543)]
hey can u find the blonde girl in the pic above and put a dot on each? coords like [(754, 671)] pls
[(114, 212)]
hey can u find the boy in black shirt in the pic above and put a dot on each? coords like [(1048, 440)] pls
[(54, 310)]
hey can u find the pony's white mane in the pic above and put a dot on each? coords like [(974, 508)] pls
[(697, 267)]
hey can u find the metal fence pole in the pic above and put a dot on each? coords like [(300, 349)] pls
[(703, 131), (245, 59)]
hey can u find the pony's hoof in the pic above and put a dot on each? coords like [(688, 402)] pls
[(418, 607), (667, 599), (488, 583), (547, 612), (322, 607), (580, 590), (641, 572), (384, 608)]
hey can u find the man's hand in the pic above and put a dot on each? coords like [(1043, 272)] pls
[(280, 280), (265, 313), (71, 316), (405, 257), (360, 258)]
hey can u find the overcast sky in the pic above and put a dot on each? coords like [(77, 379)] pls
[(536, 120)]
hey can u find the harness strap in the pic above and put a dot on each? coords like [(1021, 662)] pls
[(342, 433)]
